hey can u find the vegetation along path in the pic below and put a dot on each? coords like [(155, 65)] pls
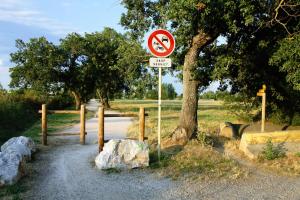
[(65, 170)]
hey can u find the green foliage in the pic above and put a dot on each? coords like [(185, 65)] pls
[(297, 154), (19, 110), (241, 106), (287, 59), (204, 140), (168, 92), (218, 95), (250, 34), (104, 62), (271, 152)]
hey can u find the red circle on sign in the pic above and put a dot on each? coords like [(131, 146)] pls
[(167, 50)]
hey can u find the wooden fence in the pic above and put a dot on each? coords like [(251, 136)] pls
[(45, 134), (82, 133)]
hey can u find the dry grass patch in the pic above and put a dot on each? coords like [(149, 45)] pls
[(288, 165), (197, 161)]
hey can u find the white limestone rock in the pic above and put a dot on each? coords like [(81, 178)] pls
[(10, 168), (123, 154), (22, 146), (14, 154)]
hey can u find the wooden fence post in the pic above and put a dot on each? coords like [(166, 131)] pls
[(263, 112), (82, 124), (100, 129), (142, 124), (44, 124)]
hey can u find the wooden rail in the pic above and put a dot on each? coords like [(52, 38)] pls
[(123, 115), (62, 134), (61, 111)]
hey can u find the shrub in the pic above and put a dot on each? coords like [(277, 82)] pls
[(271, 152), (19, 110)]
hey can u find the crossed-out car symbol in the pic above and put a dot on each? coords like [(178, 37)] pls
[(158, 46)]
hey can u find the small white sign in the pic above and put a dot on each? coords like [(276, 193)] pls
[(160, 62)]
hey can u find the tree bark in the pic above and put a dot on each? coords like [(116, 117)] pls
[(103, 99), (77, 100), (188, 122)]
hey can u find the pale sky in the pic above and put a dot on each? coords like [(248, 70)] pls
[(24, 19)]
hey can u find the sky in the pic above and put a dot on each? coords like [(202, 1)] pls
[(24, 19)]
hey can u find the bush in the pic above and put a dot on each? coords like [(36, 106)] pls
[(271, 152), (19, 110)]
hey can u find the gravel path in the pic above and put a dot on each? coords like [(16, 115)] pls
[(65, 170)]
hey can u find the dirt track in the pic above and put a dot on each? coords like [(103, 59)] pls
[(65, 170)]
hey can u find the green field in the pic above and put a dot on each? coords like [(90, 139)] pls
[(210, 114)]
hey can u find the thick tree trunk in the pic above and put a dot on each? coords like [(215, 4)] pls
[(188, 123), (77, 100)]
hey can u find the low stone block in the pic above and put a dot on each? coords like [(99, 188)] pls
[(252, 144)]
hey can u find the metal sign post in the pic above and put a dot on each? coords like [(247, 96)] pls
[(161, 44), (159, 113)]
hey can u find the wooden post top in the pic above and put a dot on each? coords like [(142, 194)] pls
[(262, 91)]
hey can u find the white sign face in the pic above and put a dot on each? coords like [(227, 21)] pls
[(160, 62)]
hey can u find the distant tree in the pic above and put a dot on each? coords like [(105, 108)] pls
[(105, 63), (116, 61), (168, 92), (208, 95), (75, 75), (36, 66)]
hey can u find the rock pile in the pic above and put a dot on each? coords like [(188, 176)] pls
[(123, 154), (14, 153)]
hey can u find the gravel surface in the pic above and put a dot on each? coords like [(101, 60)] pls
[(65, 170)]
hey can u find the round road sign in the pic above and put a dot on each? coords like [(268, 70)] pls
[(161, 43)]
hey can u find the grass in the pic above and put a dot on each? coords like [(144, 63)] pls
[(196, 161), (210, 115), (55, 122), (195, 158), (288, 165), (12, 192)]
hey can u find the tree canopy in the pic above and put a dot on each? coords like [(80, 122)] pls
[(103, 62), (251, 30)]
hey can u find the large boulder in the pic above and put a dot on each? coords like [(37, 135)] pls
[(123, 154), (14, 153), (21, 146), (10, 168), (26, 141)]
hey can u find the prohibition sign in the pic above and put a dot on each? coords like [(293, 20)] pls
[(161, 43)]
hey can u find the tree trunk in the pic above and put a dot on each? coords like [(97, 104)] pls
[(188, 123), (103, 99), (77, 100)]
